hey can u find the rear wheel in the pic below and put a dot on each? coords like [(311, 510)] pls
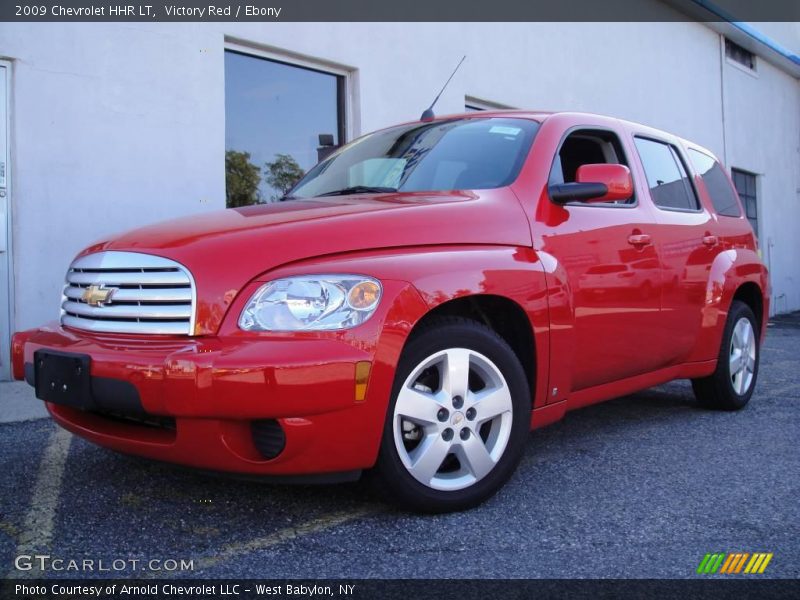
[(458, 419), (732, 383)]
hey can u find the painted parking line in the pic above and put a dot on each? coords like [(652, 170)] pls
[(37, 530), (317, 525)]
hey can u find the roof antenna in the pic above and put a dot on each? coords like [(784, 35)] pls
[(428, 114)]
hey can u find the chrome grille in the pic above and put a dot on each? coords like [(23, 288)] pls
[(129, 292)]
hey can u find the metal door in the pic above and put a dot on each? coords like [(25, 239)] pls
[(6, 282)]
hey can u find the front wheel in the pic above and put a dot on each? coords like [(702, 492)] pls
[(458, 419), (732, 383)]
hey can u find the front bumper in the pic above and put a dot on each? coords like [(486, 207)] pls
[(202, 396)]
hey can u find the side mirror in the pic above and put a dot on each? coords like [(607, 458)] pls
[(595, 183)]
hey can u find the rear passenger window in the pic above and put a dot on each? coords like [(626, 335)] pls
[(719, 187), (666, 176)]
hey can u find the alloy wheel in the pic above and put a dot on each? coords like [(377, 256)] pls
[(452, 419), (742, 358)]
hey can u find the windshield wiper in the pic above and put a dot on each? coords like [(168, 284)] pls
[(359, 189)]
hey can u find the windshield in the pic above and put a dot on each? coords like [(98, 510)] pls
[(457, 154)]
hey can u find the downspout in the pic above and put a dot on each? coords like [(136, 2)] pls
[(722, 100)]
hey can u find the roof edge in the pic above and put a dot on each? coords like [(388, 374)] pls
[(744, 34)]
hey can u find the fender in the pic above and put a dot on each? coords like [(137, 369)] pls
[(436, 274), (730, 270), (514, 273)]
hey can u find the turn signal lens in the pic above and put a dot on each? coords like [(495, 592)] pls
[(364, 295), (362, 376)]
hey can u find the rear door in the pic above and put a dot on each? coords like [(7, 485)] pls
[(684, 239)]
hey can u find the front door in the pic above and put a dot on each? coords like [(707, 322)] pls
[(611, 267), (5, 230)]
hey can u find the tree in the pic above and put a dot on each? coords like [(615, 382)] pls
[(282, 173), (241, 179)]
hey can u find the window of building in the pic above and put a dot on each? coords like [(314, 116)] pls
[(717, 184), (587, 147), (472, 104), (740, 55), (745, 183), (666, 176), (277, 115)]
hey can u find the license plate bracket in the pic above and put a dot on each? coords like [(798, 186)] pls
[(63, 378)]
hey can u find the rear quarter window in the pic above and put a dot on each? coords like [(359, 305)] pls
[(722, 194)]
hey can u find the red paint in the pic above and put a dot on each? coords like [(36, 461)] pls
[(617, 299), (616, 178)]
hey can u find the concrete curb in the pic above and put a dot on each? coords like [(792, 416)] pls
[(19, 403)]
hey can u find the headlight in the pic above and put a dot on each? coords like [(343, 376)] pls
[(313, 302)]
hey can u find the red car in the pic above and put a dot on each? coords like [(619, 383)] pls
[(423, 298)]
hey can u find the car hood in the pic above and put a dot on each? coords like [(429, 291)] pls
[(227, 249)]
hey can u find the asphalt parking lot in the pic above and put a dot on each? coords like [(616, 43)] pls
[(642, 486)]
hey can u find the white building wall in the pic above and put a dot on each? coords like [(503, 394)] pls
[(762, 133), (112, 127), (120, 125), (785, 33)]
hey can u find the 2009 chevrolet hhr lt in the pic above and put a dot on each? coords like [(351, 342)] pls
[(423, 298)]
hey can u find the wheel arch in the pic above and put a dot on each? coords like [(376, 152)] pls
[(736, 274), (503, 287), (501, 314), (753, 296)]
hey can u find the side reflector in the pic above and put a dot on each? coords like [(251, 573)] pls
[(362, 375)]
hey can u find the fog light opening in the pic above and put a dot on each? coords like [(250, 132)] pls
[(268, 437)]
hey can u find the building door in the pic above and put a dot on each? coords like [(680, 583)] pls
[(5, 230)]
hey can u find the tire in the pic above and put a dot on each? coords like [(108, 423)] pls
[(442, 450), (731, 385)]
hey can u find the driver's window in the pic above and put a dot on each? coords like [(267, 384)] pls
[(586, 147)]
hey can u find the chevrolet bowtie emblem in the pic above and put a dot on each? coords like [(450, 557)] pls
[(97, 295)]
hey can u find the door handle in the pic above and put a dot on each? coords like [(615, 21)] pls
[(710, 240), (639, 239)]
